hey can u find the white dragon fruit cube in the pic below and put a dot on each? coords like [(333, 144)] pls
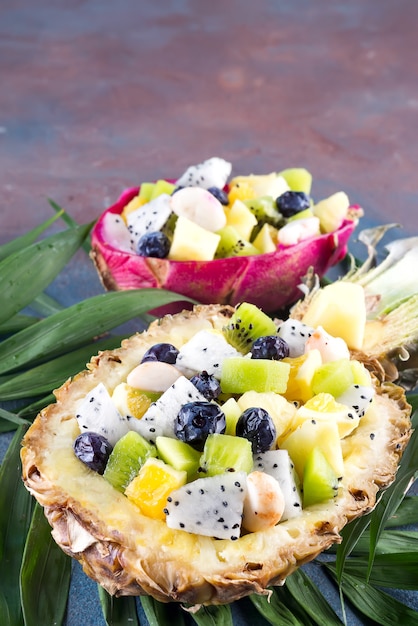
[(210, 506), (97, 413), (159, 418), (213, 172), (278, 464), (205, 351), (148, 218)]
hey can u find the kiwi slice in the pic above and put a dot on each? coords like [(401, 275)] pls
[(160, 187), (226, 453), (240, 374), (333, 377), (320, 482), (232, 244), (247, 324), (126, 459), (298, 179), (179, 455), (265, 210)]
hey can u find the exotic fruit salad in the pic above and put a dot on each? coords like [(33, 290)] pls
[(222, 239), (211, 455)]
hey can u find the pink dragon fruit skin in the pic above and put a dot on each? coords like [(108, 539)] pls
[(269, 281)]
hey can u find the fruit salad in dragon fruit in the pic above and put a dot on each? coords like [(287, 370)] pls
[(222, 238)]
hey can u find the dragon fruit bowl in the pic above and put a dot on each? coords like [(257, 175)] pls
[(270, 279)]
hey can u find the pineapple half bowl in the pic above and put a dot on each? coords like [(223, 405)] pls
[(222, 240), (340, 343)]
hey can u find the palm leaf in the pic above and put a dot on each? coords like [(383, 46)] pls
[(45, 569), (377, 605), (48, 376), (118, 611), (16, 244), (16, 507), (162, 614), (25, 273), (80, 323)]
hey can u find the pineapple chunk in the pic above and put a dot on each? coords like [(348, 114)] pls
[(261, 184), (191, 242), (280, 410), (241, 218), (332, 211), (153, 484), (323, 407), (323, 434), (340, 308), (266, 240)]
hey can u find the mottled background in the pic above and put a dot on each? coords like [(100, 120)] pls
[(96, 96)]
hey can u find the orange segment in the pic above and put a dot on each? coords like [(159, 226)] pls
[(302, 370), (153, 484)]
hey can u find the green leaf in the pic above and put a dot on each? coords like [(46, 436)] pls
[(406, 513), (214, 615), (118, 611), (74, 326), (380, 607), (25, 273), (162, 614), (351, 535), (397, 570), (310, 598), (31, 410), (16, 323), (45, 305), (16, 244), (16, 506), (45, 575), (69, 221), (389, 541), (275, 611), (44, 378), (12, 417), (394, 495)]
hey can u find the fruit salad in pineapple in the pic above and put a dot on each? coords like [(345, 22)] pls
[(211, 455), (218, 238)]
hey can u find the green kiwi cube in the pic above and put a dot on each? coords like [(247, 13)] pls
[(320, 482), (145, 191), (298, 179), (240, 374), (265, 210), (127, 458), (226, 453), (333, 377), (179, 455), (232, 244), (160, 187), (247, 324)]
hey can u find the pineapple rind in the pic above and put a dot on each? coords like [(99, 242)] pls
[(130, 554)]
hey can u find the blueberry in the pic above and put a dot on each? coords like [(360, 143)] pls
[(256, 425), (220, 195), (196, 420), (207, 384), (155, 244), (93, 450), (270, 347), (176, 189), (165, 352), (292, 202)]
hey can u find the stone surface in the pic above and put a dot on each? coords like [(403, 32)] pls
[(99, 96)]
